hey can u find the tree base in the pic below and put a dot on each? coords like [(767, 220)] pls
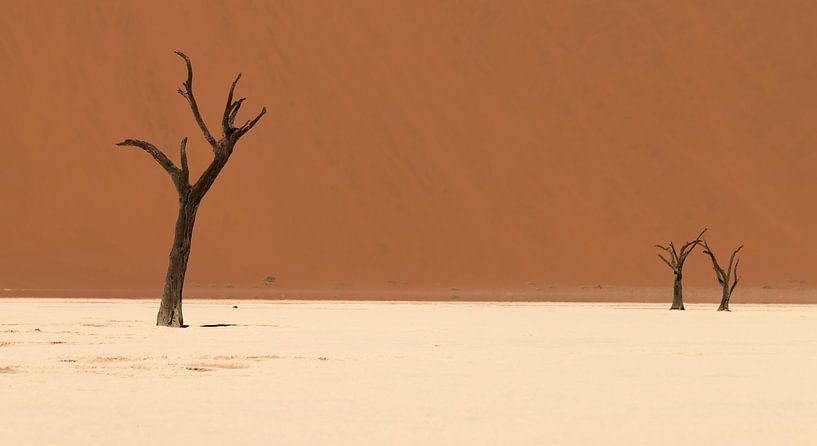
[(171, 318)]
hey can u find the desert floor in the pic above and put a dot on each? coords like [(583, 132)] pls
[(98, 372)]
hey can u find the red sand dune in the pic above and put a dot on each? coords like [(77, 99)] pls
[(468, 144)]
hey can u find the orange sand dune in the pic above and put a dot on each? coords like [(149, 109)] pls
[(433, 144)]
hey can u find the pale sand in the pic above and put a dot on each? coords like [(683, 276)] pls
[(98, 372)]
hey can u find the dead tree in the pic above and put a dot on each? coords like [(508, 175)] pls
[(676, 263), (725, 276), (190, 195)]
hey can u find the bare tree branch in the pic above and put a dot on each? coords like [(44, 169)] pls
[(715, 264), (667, 262), (157, 154), (231, 111), (208, 177), (732, 258), (724, 276), (689, 246), (737, 278), (225, 120), (187, 93), (234, 112), (250, 124), (184, 173)]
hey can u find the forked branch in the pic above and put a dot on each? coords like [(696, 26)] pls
[(677, 259), (230, 113), (187, 93), (250, 123), (676, 264), (231, 109), (222, 148), (725, 276), (737, 278), (230, 133), (689, 246)]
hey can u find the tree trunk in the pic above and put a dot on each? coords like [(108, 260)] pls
[(725, 299), (170, 310), (677, 294)]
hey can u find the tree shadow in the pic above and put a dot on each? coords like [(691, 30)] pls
[(218, 325)]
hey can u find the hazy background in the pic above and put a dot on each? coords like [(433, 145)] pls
[(430, 143)]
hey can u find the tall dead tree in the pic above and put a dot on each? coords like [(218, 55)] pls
[(725, 276), (676, 264), (190, 195)]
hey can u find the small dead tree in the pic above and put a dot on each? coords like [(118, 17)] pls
[(676, 264), (190, 195), (725, 276)]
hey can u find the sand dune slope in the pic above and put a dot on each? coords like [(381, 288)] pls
[(467, 143)]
